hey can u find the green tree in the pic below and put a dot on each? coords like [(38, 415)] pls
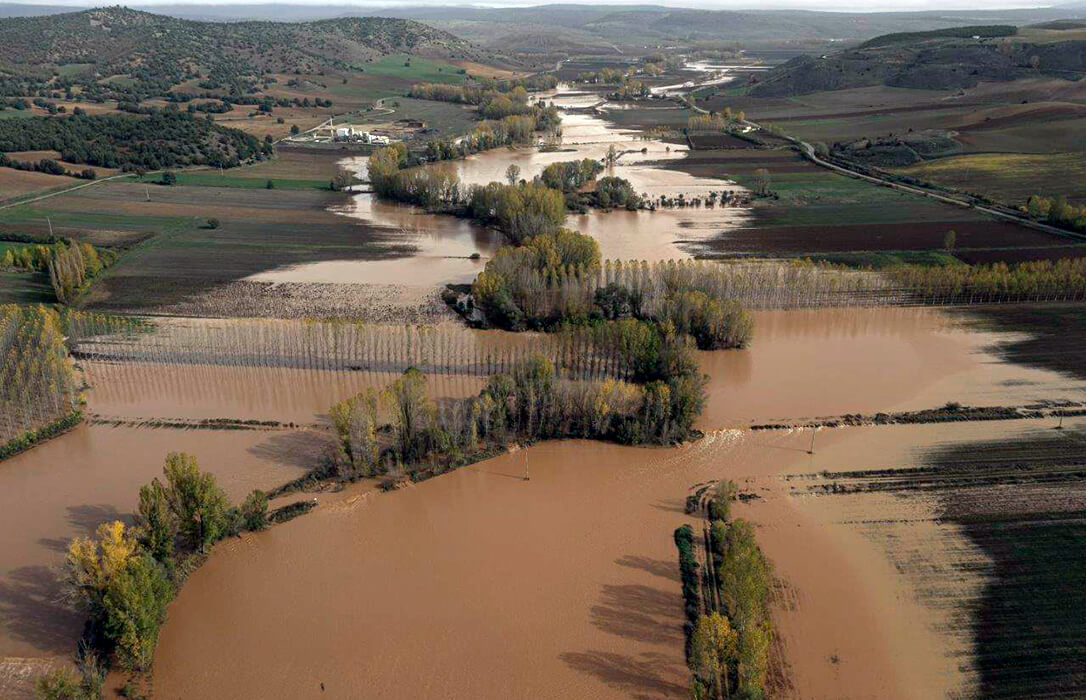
[(156, 526), (254, 511), (197, 502), (412, 410), (169, 177), (135, 608), (512, 173), (950, 240)]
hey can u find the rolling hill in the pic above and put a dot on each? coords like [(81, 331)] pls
[(146, 54), (937, 60)]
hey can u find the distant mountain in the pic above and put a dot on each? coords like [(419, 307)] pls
[(937, 60), (148, 53)]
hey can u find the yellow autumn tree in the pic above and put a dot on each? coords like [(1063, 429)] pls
[(92, 563), (714, 651)]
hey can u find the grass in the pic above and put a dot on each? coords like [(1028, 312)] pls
[(1008, 177), (416, 68), (214, 179), (879, 259), (25, 288)]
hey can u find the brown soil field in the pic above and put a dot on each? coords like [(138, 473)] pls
[(16, 183), (978, 241)]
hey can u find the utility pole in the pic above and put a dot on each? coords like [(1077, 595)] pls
[(147, 192), (814, 431), (526, 477), (50, 222), (1060, 426)]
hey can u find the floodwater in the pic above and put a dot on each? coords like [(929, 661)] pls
[(69, 485), (607, 631), (567, 583), (480, 584), (444, 244), (829, 362)]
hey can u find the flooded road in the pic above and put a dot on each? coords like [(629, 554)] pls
[(444, 244)]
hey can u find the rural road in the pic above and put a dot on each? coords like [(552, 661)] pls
[(64, 191), (809, 153)]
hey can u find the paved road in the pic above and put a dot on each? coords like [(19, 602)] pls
[(809, 152)]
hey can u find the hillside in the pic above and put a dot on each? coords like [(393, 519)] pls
[(931, 61), (145, 54)]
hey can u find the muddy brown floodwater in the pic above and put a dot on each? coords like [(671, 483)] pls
[(69, 485), (480, 584), (565, 583), (444, 244)]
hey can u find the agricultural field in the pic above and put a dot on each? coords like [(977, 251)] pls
[(16, 184), (986, 529), (1011, 178), (819, 214)]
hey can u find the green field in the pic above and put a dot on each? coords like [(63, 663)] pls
[(25, 288), (1008, 177), (205, 178)]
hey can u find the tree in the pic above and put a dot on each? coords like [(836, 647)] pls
[(949, 241), (212, 223), (407, 399), (269, 185), (294, 130), (254, 511), (714, 652), (156, 526), (197, 502), (169, 177), (135, 607), (512, 174), (761, 179)]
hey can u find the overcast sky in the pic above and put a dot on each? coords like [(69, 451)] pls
[(842, 5)]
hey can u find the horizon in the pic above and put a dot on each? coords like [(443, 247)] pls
[(866, 6)]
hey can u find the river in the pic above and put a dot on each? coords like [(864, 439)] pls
[(444, 245)]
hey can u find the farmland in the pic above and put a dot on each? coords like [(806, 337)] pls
[(470, 408)]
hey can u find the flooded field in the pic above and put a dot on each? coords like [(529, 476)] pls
[(414, 575), (69, 485), (614, 630), (443, 245)]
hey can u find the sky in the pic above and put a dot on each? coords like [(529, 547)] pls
[(829, 5)]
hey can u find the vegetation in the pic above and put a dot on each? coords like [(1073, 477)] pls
[(987, 31), (164, 138), (571, 176), (124, 578), (530, 402), (728, 629), (38, 392), (146, 55), (1057, 211), (1043, 280)]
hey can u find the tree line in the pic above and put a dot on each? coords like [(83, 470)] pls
[(164, 138), (1041, 280), (39, 395), (727, 629), (1057, 211), (124, 577), (49, 166), (403, 434), (556, 279)]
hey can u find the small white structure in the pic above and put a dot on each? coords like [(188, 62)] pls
[(349, 133)]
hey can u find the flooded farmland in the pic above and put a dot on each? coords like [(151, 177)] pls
[(443, 245), (414, 575), (618, 629)]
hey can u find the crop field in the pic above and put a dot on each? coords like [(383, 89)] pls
[(1054, 335), (20, 183), (1008, 177), (1003, 559), (823, 215)]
